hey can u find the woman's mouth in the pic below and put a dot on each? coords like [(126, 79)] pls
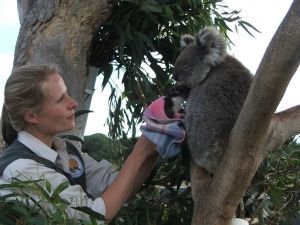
[(71, 117)]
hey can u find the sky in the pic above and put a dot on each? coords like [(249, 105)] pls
[(265, 15)]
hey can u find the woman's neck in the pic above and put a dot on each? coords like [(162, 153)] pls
[(45, 138)]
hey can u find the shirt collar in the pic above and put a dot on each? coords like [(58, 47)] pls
[(37, 146)]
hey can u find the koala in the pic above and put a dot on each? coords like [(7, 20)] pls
[(218, 85), (175, 100)]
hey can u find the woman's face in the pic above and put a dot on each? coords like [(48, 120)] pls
[(56, 114)]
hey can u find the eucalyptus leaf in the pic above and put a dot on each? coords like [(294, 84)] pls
[(72, 137), (82, 112), (90, 212)]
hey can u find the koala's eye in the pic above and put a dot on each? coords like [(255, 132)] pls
[(185, 67)]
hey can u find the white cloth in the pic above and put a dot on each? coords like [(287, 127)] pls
[(99, 175)]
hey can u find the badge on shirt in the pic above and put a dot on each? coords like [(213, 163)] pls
[(75, 166)]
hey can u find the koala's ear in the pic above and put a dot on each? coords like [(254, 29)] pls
[(186, 39), (211, 40)]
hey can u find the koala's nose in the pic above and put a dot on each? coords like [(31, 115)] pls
[(174, 91)]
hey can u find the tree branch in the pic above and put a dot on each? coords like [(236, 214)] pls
[(284, 125)]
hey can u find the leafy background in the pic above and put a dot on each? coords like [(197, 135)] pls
[(272, 198)]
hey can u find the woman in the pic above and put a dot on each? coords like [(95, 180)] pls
[(36, 109)]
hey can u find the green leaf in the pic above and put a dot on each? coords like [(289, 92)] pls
[(122, 42), (107, 71), (145, 39), (128, 31), (151, 6), (35, 221), (61, 187), (43, 193), (245, 26), (168, 12), (48, 186), (250, 25), (72, 137), (90, 212), (82, 112), (6, 220)]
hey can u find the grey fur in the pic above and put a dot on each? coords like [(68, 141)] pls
[(186, 39), (219, 85), (201, 52)]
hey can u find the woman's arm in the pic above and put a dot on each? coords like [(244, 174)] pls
[(135, 171)]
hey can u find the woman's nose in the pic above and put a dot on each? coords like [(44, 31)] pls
[(73, 104)]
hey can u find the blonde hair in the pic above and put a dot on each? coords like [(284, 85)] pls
[(23, 92)]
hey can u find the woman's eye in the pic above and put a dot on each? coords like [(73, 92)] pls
[(60, 100)]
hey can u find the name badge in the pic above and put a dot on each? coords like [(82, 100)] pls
[(75, 166)]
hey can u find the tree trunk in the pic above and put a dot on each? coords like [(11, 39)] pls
[(61, 32), (256, 131)]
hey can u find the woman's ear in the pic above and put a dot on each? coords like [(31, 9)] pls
[(30, 118)]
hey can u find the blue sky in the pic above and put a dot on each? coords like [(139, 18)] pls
[(265, 15)]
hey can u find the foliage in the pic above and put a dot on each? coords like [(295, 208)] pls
[(157, 206), (274, 195), (140, 42), (165, 199), (34, 202), (99, 146)]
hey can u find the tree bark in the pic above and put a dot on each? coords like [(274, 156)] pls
[(257, 130), (61, 32)]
